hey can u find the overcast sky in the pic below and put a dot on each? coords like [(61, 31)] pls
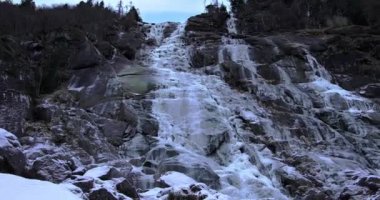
[(152, 10)]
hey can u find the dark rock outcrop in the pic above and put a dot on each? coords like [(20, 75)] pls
[(101, 194), (272, 16), (125, 187), (211, 21), (12, 159), (198, 171), (86, 56)]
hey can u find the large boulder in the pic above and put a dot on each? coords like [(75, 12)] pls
[(84, 183), (86, 56), (126, 188), (129, 42), (370, 90), (148, 126), (192, 167), (54, 168), (102, 194), (12, 159), (113, 130)]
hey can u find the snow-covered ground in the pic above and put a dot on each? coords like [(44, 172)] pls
[(18, 188)]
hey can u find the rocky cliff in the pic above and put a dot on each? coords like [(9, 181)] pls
[(229, 105)]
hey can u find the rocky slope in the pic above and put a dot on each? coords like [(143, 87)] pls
[(208, 109)]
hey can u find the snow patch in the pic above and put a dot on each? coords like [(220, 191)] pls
[(97, 171), (176, 178), (18, 188), (5, 137)]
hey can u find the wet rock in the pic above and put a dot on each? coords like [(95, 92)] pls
[(157, 154), (12, 159), (148, 126), (205, 56), (371, 182), (236, 74), (122, 165), (269, 73), (290, 48), (120, 110), (87, 56), (373, 118), (199, 171), (169, 29), (338, 102), (101, 194), (184, 196), (113, 130), (370, 90), (335, 120), (294, 182), (125, 187), (84, 183), (315, 194), (215, 141), (137, 146), (353, 192), (265, 51)]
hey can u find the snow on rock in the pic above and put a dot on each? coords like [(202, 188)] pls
[(98, 172), (11, 157), (7, 139), (176, 178), (19, 188)]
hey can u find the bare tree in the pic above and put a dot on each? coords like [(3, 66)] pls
[(120, 8)]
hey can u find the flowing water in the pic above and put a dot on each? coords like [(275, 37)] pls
[(204, 119)]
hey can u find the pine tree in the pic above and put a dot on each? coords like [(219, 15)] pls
[(29, 4)]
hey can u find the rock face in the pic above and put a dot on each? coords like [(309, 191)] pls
[(210, 109), (87, 56)]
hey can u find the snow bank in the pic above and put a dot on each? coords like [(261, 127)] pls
[(18, 188)]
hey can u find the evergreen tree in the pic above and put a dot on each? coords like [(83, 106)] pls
[(28, 4)]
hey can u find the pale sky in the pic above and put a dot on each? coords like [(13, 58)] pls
[(152, 10)]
